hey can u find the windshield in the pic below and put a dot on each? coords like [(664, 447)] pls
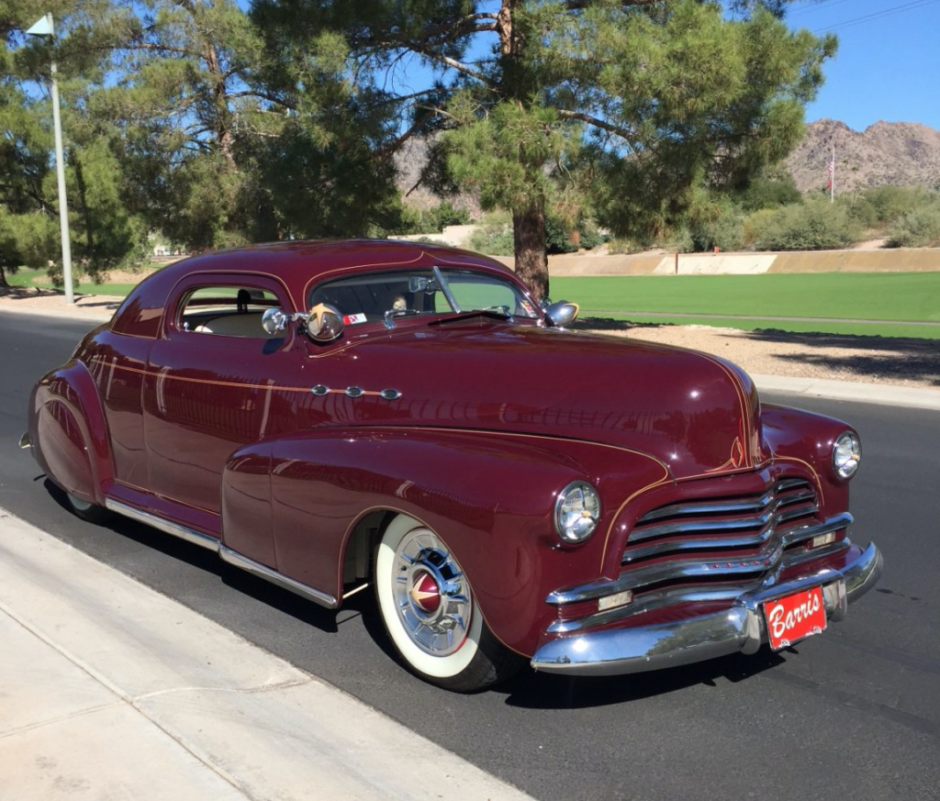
[(366, 298)]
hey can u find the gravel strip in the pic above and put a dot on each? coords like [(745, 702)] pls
[(877, 360)]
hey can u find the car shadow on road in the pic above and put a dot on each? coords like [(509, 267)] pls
[(208, 561), (547, 691)]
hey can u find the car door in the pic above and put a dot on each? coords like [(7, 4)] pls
[(215, 382)]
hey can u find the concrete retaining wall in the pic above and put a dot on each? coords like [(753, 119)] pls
[(824, 261)]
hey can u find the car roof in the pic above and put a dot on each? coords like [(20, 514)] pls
[(296, 264)]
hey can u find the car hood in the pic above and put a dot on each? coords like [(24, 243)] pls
[(696, 413)]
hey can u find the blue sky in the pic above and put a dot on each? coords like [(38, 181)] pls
[(887, 67)]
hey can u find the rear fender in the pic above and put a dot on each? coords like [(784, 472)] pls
[(69, 433), (490, 497)]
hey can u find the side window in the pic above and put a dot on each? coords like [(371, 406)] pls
[(229, 311)]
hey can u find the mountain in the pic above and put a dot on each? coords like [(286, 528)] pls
[(409, 162), (886, 153), (893, 153)]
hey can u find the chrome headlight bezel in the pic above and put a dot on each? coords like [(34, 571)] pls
[(846, 455), (577, 510)]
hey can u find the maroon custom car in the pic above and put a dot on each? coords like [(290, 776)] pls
[(332, 415)]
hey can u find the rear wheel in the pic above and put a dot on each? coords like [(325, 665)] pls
[(86, 510), (430, 613)]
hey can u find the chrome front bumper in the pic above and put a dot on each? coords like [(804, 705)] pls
[(738, 629)]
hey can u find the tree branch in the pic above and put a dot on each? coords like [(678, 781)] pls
[(594, 122), (450, 62), (384, 153), (580, 5)]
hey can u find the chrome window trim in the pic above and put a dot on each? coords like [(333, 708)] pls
[(445, 287)]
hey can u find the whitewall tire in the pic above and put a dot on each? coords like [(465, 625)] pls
[(86, 510), (430, 614)]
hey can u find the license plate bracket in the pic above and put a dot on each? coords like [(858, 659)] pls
[(795, 617)]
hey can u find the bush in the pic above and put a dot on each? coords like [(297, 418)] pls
[(590, 236), (770, 193), (431, 221), (681, 241), (917, 229), (558, 237), (891, 203), (620, 245), (816, 224), (493, 240), (725, 231)]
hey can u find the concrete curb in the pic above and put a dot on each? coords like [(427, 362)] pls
[(854, 391), (123, 692), (78, 313)]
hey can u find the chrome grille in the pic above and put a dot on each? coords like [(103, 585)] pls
[(720, 538), (709, 550)]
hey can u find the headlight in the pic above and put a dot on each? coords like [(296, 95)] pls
[(846, 454), (577, 510)]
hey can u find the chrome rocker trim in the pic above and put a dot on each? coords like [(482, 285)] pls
[(278, 579), (166, 526), (226, 553), (738, 629)]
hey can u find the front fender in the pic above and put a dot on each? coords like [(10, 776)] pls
[(489, 497), (805, 437), (69, 433)]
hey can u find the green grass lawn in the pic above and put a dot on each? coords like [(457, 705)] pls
[(912, 297), (26, 277)]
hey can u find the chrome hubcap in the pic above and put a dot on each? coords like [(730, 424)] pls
[(431, 594)]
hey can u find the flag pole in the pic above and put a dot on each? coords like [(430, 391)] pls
[(832, 175)]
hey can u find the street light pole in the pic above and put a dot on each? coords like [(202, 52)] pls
[(44, 27)]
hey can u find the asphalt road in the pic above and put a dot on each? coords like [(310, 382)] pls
[(854, 713)]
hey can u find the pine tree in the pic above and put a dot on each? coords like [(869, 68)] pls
[(629, 106)]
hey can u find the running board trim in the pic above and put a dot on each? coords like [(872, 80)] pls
[(278, 579), (226, 553), (166, 526)]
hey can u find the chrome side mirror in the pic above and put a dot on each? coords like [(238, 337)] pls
[(562, 313), (324, 323), (274, 321)]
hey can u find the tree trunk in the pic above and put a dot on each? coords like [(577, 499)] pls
[(528, 230), (3, 279)]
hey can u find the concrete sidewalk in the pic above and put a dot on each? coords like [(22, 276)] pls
[(110, 690)]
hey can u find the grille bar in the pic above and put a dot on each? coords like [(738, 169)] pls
[(709, 565), (656, 599), (786, 492), (728, 568), (769, 525)]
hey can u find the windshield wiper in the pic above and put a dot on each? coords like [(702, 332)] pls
[(491, 314), (391, 314)]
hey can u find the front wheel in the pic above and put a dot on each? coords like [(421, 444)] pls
[(430, 613)]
